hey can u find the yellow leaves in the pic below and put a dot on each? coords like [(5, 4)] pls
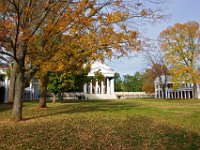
[(180, 46), (60, 67), (109, 53), (79, 29), (116, 17)]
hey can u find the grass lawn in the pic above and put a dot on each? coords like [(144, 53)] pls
[(115, 124)]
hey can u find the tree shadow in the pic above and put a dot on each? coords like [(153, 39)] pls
[(87, 107), (5, 107), (146, 132)]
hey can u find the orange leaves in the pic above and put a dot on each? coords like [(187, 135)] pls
[(144, 13), (133, 34), (116, 17), (63, 32)]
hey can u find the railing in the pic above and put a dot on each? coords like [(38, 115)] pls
[(80, 95), (69, 95), (124, 95)]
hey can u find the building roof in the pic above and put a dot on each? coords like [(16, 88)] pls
[(104, 69), (169, 80)]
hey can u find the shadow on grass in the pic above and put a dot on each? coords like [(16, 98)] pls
[(73, 107), (5, 107), (142, 132), (134, 132)]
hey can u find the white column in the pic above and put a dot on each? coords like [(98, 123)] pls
[(168, 96), (96, 87), (181, 95), (185, 94), (165, 93), (30, 90), (156, 95), (178, 95), (85, 88), (102, 87), (34, 93), (91, 87), (189, 95), (6, 91), (112, 87), (108, 86)]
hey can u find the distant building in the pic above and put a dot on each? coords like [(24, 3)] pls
[(91, 90), (185, 91), (30, 93), (4, 83), (104, 89)]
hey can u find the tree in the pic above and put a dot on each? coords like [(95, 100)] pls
[(66, 82), (118, 82), (20, 21), (158, 70), (181, 44), (58, 82), (94, 31), (133, 83), (103, 24)]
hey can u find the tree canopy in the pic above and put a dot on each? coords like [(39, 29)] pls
[(181, 44), (31, 31)]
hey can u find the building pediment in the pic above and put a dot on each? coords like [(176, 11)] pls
[(104, 69)]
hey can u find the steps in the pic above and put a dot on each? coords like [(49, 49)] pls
[(100, 96)]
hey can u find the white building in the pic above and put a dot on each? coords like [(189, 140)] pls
[(100, 89), (185, 91), (4, 83), (30, 93)]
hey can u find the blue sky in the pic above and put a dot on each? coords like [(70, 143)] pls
[(181, 10)]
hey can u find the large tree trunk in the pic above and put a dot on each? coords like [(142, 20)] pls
[(19, 83), (12, 83), (43, 81), (19, 89)]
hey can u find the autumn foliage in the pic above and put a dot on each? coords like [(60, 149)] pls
[(40, 36), (181, 44)]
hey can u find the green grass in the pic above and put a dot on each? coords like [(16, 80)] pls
[(117, 124)]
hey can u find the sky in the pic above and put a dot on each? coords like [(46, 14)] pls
[(181, 11)]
